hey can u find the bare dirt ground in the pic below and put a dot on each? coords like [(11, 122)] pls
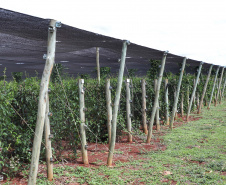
[(98, 153)]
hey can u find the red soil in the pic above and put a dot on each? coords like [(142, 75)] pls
[(124, 151)]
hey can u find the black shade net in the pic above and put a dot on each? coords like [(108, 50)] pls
[(23, 41)]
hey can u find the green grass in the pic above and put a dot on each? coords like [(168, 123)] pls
[(195, 154)]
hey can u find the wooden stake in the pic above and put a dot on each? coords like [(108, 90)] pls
[(215, 102), (42, 102), (132, 97), (82, 110), (157, 110), (220, 97), (182, 104), (166, 102), (194, 94), (144, 108), (188, 97), (154, 108), (215, 94), (175, 116), (109, 108), (214, 84), (116, 104), (128, 110), (48, 142), (177, 94), (204, 89), (194, 90), (222, 94), (98, 64), (219, 87), (197, 100)]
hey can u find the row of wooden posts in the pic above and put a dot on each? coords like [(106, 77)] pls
[(112, 111)]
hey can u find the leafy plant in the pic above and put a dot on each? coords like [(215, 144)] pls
[(17, 76), (56, 72), (105, 72), (19, 105), (153, 71)]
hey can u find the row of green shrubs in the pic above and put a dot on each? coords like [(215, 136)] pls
[(19, 105)]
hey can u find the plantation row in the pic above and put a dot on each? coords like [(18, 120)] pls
[(19, 104)]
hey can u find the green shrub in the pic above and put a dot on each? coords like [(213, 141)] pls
[(16, 128), (17, 76)]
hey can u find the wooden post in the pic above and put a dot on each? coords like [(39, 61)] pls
[(82, 110), (177, 94), (205, 98), (128, 110), (220, 97), (215, 94), (188, 97), (48, 137), (144, 108), (193, 92), (214, 84), (222, 94), (157, 110), (154, 108), (132, 97), (215, 99), (109, 108), (197, 100), (42, 101), (98, 64), (116, 103), (175, 116), (166, 102), (219, 87), (182, 104), (204, 89)]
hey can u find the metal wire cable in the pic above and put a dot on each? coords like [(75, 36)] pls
[(31, 129), (69, 104)]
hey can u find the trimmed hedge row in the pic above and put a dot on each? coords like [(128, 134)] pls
[(18, 112)]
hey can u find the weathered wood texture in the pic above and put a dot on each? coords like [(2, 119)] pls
[(194, 90), (222, 94), (128, 110), (116, 104), (204, 89), (48, 143), (197, 100), (213, 88), (98, 64), (153, 113), (182, 105), (144, 108), (157, 110), (188, 97), (109, 108), (194, 98), (82, 121), (51, 46), (219, 86), (177, 94), (166, 102)]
